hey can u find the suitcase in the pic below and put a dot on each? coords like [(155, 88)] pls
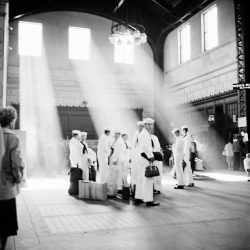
[(198, 164), (126, 193), (75, 174), (92, 174), (73, 188), (92, 190)]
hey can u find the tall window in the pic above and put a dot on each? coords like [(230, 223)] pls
[(79, 43), (209, 28), (184, 43), (30, 38), (124, 50)]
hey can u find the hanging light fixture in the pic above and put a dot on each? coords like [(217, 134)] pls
[(127, 33), (123, 31)]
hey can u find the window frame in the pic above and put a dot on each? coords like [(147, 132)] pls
[(180, 61), (29, 40), (203, 40), (78, 44)]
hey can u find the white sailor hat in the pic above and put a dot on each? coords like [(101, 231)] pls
[(117, 131), (76, 132), (184, 126), (174, 130), (83, 133), (140, 123), (148, 121)]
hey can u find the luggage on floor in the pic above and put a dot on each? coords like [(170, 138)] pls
[(126, 193), (92, 174), (75, 175), (73, 188), (112, 180), (198, 164), (92, 190)]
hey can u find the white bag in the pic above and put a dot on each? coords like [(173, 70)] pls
[(92, 190), (198, 164)]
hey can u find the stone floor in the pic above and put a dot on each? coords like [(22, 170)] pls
[(215, 214)]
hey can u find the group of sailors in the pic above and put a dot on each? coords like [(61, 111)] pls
[(182, 151), (133, 159)]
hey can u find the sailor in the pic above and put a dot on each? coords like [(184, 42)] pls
[(188, 176), (135, 160), (84, 159), (118, 151), (146, 158), (158, 163), (75, 149), (126, 166), (178, 149), (103, 153)]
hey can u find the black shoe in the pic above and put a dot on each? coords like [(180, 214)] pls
[(152, 204), (138, 201), (179, 187), (190, 185), (157, 192)]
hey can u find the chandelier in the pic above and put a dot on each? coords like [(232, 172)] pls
[(123, 33)]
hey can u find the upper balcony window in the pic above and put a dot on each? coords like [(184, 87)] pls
[(79, 43), (30, 38), (184, 44), (209, 28)]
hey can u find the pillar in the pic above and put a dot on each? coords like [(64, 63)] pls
[(4, 47)]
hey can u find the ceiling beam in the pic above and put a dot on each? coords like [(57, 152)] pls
[(118, 6)]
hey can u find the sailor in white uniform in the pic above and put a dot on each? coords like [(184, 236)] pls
[(135, 159), (103, 153), (75, 149), (188, 176), (178, 149), (84, 159), (147, 157)]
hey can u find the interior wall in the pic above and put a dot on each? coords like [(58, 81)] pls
[(206, 73), (130, 83)]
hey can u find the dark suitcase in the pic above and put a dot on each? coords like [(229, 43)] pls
[(126, 193), (73, 188), (92, 174), (75, 174)]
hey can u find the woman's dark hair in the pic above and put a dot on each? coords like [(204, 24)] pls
[(7, 115)]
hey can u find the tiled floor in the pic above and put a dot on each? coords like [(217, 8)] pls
[(212, 215)]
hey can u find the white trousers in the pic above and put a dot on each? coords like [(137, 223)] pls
[(188, 176), (122, 175), (157, 179), (103, 168), (144, 186), (179, 170)]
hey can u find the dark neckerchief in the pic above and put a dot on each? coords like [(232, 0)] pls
[(84, 150)]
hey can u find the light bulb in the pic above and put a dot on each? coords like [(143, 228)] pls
[(143, 37), (112, 39), (137, 41), (137, 33), (119, 42), (126, 32)]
